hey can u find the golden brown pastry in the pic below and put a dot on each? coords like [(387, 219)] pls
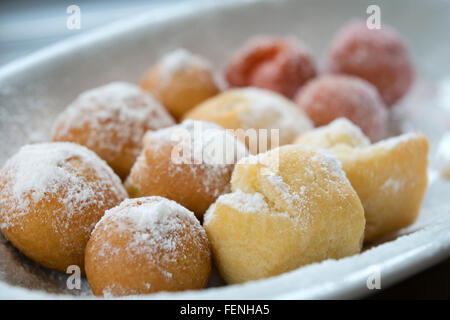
[(250, 109), (147, 245), (111, 121), (190, 163), (180, 81), (51, 197)]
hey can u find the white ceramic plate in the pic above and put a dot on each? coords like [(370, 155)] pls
[(35, 89)]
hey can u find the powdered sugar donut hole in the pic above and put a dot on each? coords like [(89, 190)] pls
[(147, 245), (51, 197), (255, 110), (330, 97), (180, 81), (279, 64), (190, 163), (379, 56), (111, 120)]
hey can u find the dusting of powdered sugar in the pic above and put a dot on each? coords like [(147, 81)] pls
[(153, 218), (295, 200), (159, 229), (245, 202), (179, 60), (289, 196), (207, 142), (329, 163), (299, 198), (260, 158), (268, 110), (209, 214), (239, 201), (338, 131), (393, 142), (206, 147), (38, 171), (392, 185), (113, 117)]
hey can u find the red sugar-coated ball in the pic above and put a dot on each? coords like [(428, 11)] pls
[(282, 65), (333, 96), (379, 56)]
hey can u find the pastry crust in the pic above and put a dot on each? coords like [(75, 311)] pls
[(289, 207), (147, 245), (180, 81), (51, 197), (390, 176), (339, 132), (175, 164), (111, 121), (254, 109)]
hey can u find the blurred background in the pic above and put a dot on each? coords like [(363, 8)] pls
[(27, 26)]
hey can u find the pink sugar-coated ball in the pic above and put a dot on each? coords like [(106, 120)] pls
[(379, 56), (282, 65), (330, 97)]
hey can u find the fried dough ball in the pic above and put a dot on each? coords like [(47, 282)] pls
[(289, 207), (190, 163), (111, 121), (252, 109), (180, 81), (330, 97), (147, 245), (51, 197), (390, 176), (279, 64), (379, 56)]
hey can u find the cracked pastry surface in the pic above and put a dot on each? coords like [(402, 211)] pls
[(390, 176), (288, 207)]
